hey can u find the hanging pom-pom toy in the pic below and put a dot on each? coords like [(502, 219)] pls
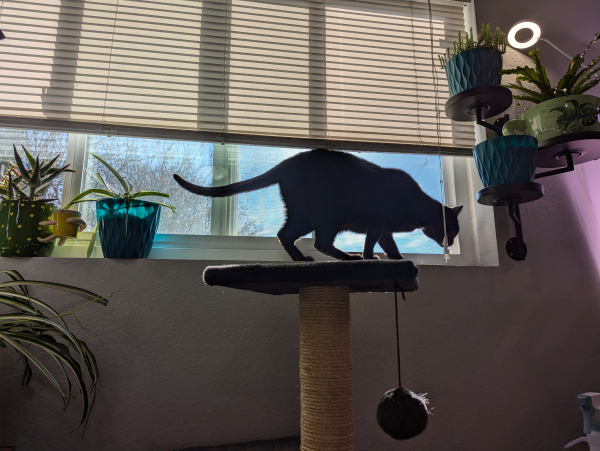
[(402, 414)]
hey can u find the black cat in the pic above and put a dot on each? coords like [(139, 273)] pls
[(330, 191)]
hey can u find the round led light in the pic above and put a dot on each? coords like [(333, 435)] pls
[(524, 24)]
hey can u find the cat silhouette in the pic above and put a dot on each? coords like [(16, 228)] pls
[(329, 191)]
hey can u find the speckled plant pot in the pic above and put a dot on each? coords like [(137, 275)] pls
[(20, 228), (474, 68), (558, 117), (506, 159)]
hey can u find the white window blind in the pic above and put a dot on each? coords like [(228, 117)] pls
[(350, 74)]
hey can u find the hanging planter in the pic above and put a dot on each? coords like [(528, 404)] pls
[(474, 63), (556, 117), (506, 159), (127, 233), (560, 110)]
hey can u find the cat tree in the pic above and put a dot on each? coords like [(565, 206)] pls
[(327, 419)]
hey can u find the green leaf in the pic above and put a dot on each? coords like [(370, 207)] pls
[(52, 176), (66, 358), (48, 166), (148, 193), (23, 351), (166, 205), (29, 156), (21, 166), (538, 96), (90, 248), (57, 286), (114, 171), (18, 190), (105, 184), (27, 373), (97, 191)]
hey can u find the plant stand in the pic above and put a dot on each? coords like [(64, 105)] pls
[(327, 419), (565, 151), (477, 104), (512, 195)]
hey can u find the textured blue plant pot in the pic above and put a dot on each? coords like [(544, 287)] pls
[(506, 160), (142, 224), (474, 68)]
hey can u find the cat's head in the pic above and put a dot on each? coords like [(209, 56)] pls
[(435, 230)]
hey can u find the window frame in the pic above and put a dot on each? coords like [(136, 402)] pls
[(460, 181)]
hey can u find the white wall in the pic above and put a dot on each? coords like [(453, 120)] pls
[(502, 352)]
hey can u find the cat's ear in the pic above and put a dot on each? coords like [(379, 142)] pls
[(457, 210)]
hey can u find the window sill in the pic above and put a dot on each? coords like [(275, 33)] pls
[(233, 248)]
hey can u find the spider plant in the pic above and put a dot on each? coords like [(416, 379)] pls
[(576, 81), (36, 179), (127, 195), (33, 325)]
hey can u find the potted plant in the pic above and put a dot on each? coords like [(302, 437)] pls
[(23, 207), (474, 63), (506, 159), (558, 110), (33, 325), (126, 224)]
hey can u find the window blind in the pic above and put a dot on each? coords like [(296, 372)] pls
[(352, 74)]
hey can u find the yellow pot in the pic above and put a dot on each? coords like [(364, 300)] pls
[(65, 224), (68, 223)]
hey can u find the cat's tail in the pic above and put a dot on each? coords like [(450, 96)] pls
[(262, 181)]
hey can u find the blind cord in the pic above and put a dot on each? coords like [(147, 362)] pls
[(412, 28), (438, 125), (396, 286), (112, 46)]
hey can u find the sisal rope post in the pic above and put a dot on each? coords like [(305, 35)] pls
[(327, 418)]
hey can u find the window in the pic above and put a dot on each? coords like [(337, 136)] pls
[(242, 227), (149, 164), (228, 89)]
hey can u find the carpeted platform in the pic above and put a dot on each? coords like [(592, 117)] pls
[(282, 444), (359, 276)]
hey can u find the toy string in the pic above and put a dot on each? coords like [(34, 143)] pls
[(396, 286)]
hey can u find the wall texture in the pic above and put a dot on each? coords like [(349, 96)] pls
[(502, 352)]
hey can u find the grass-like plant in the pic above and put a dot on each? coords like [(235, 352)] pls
[(577, 80), (496, 42), (127, 195), (33, 325), (29, 183)]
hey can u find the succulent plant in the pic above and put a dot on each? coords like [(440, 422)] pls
[(31, 183)]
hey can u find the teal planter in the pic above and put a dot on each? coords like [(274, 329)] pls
[(506, 159), (142, 223), (474, 68)]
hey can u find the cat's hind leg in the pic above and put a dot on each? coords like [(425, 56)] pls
[(324, 243), (289, 233), (387, 243), (370, 241)]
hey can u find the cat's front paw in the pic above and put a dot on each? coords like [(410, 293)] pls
[(353, 257), (308, 258)]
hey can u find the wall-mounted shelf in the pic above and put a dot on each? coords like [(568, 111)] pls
[(564, 152), (512, 195), (477, 104)]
